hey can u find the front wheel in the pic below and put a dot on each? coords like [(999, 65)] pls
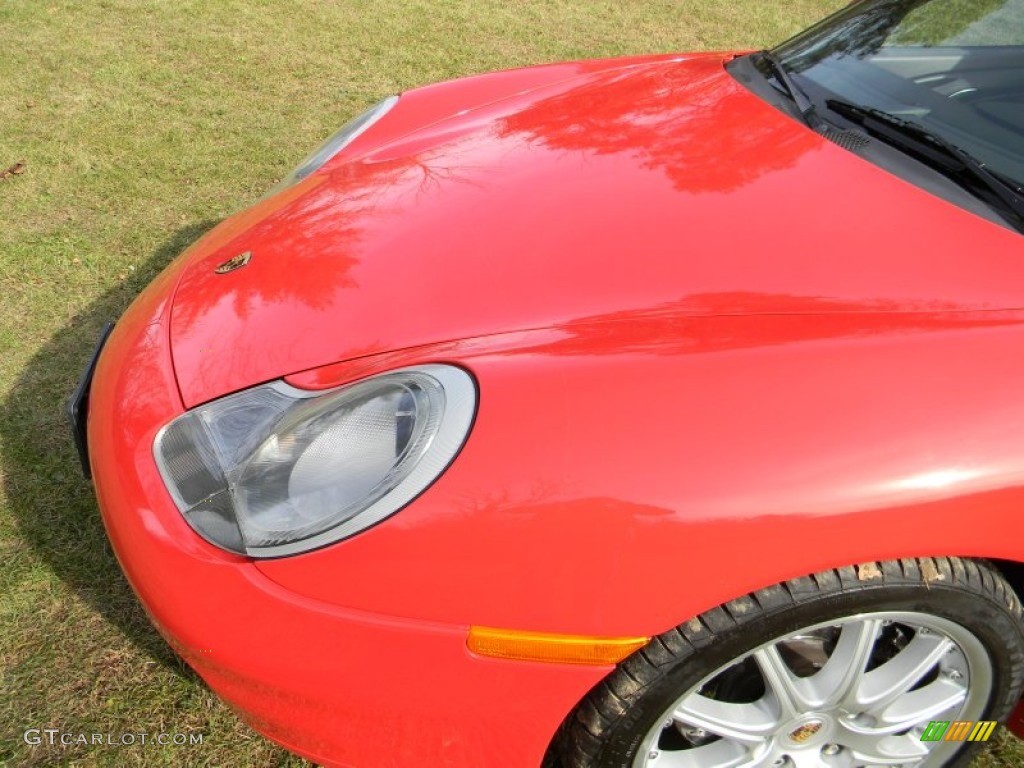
[(841, 669)]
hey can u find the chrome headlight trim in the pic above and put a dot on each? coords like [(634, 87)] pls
[(206, 457)]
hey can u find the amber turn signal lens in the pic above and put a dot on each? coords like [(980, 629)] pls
[(541, 646)]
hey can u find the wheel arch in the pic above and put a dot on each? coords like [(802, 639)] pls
[(999, 583)]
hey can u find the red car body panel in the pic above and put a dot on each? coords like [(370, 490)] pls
[(713, 350), (664, 186), (760, 449), (340, 686)]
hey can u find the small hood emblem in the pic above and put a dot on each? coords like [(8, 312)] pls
[(235, 263)]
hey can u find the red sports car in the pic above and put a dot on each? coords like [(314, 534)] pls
[(654, 412)]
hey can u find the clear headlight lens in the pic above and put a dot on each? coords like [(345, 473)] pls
[(345, 136), (276, 470)]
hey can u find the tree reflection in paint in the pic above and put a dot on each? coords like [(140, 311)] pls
[(688, 121)]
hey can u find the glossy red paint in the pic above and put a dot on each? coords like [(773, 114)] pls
[(665, 184), (750, 439), (682, 390), (329, 682)]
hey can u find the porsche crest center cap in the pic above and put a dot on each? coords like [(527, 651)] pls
[(806, 731)]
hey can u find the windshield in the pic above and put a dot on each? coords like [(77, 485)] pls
[(953, 67)]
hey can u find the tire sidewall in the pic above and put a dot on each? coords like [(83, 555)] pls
[(988, 621)]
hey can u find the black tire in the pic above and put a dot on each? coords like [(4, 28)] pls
[(609, 727)]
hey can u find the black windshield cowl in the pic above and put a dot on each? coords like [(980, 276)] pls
[(998, 191)]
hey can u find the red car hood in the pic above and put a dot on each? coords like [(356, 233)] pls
[(659, 187)]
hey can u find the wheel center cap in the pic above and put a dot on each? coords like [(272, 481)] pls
[(808, 730)]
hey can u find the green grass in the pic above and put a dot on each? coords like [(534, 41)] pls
[(936, 23), (142, 123)]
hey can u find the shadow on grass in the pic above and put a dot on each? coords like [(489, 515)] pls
[(53, 505)]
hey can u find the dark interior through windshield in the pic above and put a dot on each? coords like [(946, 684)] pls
[(954, 67)]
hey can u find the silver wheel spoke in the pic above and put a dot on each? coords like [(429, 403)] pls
[(721, 754), (809, 700), (790, 693), (805, 760), (748, 724), (832, 683), (885, 684), (878, 748), (845, 667), (922, 705)]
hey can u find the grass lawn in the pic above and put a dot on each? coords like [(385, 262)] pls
[(141, 124)]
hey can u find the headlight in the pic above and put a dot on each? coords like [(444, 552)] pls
[(345, 136), (276, 470)]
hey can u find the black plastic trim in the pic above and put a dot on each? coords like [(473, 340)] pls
[(76, 409)]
